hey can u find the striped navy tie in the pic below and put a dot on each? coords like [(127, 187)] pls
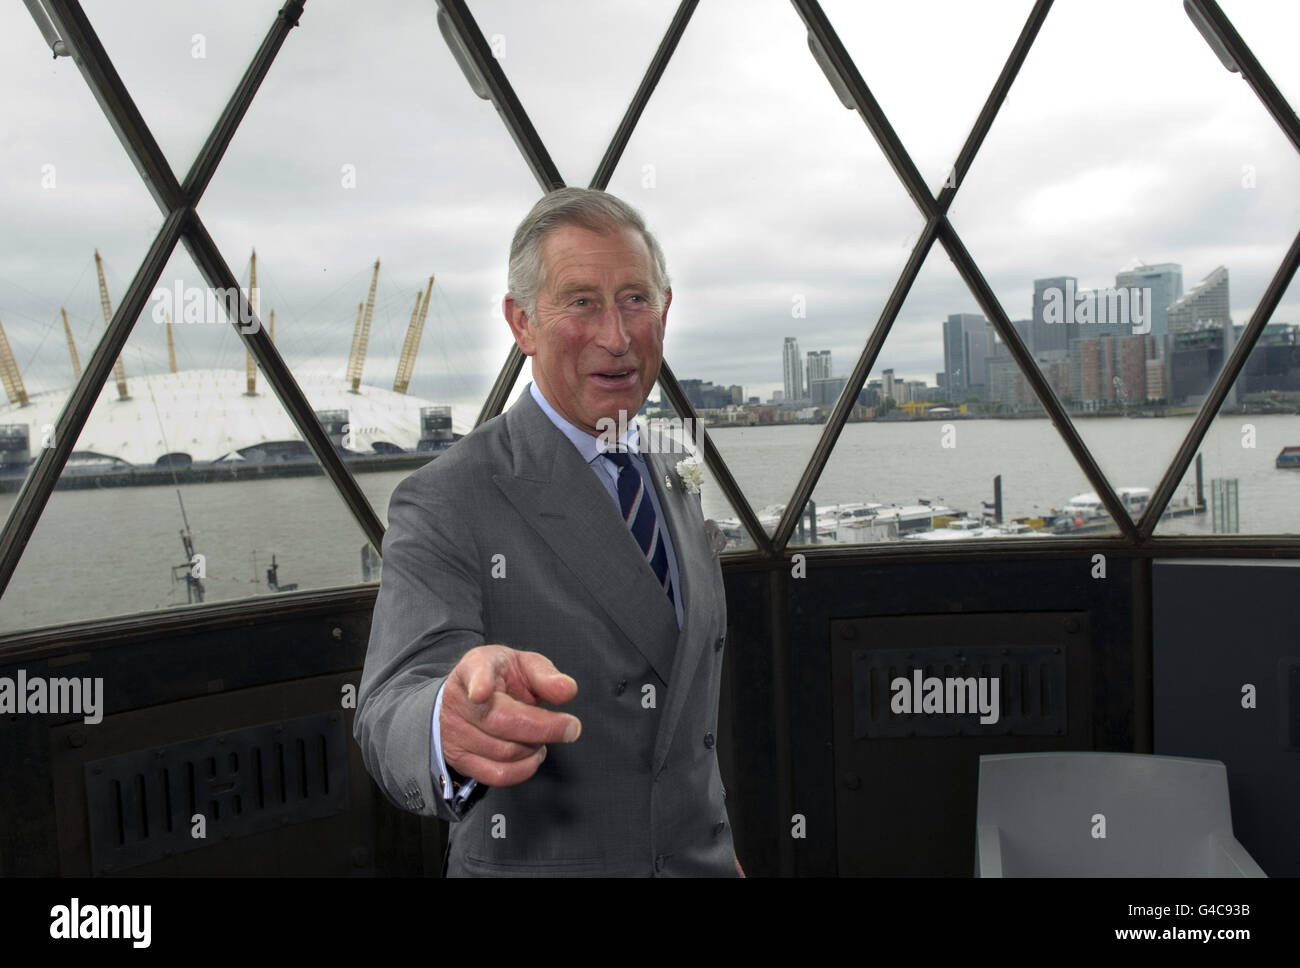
[(639, 513)]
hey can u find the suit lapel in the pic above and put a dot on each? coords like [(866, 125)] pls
[(559, 496)]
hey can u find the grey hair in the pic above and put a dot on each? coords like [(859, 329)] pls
[(587, 208)]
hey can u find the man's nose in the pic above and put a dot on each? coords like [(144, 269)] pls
[(612, 331)]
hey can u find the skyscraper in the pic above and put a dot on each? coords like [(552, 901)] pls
[(793, 371), (1046, 337), (1166, 284), (965, 347), (1204, 306), (819, 365)]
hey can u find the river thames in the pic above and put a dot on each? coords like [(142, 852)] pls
[(100, 553)]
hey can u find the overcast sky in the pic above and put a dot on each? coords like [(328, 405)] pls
[(1122, 140)]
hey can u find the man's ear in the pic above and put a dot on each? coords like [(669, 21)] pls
[(668, 301), (520, 325)]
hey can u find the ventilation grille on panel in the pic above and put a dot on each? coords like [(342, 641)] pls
[(1027, 682), (143, 805)]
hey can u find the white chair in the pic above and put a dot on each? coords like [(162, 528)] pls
[(1043, 815)]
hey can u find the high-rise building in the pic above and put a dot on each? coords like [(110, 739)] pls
[(793, 371), (1204, 306), (819, 365), (1165, 281), (1131, 355), (966, 344), (1045, 336), (824, 393), (889, 387)]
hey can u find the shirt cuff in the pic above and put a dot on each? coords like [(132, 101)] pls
[(443, 780)]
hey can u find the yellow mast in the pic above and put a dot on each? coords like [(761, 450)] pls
[(12, 379), (272, 333), (410, 348), (250, 365), (72, 347), (119, 371), (361, 335), (171, 345)]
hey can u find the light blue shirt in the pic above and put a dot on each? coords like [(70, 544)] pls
[(606, 471)]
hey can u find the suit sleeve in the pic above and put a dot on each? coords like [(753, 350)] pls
[(427, 615)]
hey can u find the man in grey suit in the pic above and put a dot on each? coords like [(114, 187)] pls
[(552, 557)]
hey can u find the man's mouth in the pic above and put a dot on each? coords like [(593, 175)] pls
[(617, 379)]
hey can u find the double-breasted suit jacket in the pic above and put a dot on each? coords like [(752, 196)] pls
[(509, 538)]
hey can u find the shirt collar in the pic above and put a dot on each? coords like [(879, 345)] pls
[(588, 446)]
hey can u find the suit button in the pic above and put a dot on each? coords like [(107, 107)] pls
[(717, 646), (708, 741), (618, 689), (660, 862)]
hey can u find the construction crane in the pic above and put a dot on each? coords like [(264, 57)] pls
[(9, 374), (250, 365), (119, 371), (361, 335), (410, 348), (72, 347)]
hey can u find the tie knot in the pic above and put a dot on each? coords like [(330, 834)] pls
[(621, 458)]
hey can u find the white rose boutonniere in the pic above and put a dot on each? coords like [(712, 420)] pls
[(691, 473)]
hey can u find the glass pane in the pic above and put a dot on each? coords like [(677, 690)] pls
[(663, 416), (181, 62), (1133, 197), (551, 53), (177, 461), (1250, 456), (69, 194), (783, 228), (1269, 29), (926, 458), (930, 65), (322, 188)]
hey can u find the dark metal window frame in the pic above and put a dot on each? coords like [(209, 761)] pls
[(179, 201)]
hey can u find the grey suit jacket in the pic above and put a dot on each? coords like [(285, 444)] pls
[(509, 538)]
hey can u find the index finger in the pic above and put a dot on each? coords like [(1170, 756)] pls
[(506, 718)]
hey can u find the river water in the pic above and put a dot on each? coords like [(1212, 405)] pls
[(99, 553)]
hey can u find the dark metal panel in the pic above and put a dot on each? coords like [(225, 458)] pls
[(900, 588), (141, 804), (906, 791), (1030, 697), (1225, 656)]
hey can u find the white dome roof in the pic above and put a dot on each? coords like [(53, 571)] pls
[(206, 414)]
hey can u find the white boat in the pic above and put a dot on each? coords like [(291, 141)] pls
[(968, 528)]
